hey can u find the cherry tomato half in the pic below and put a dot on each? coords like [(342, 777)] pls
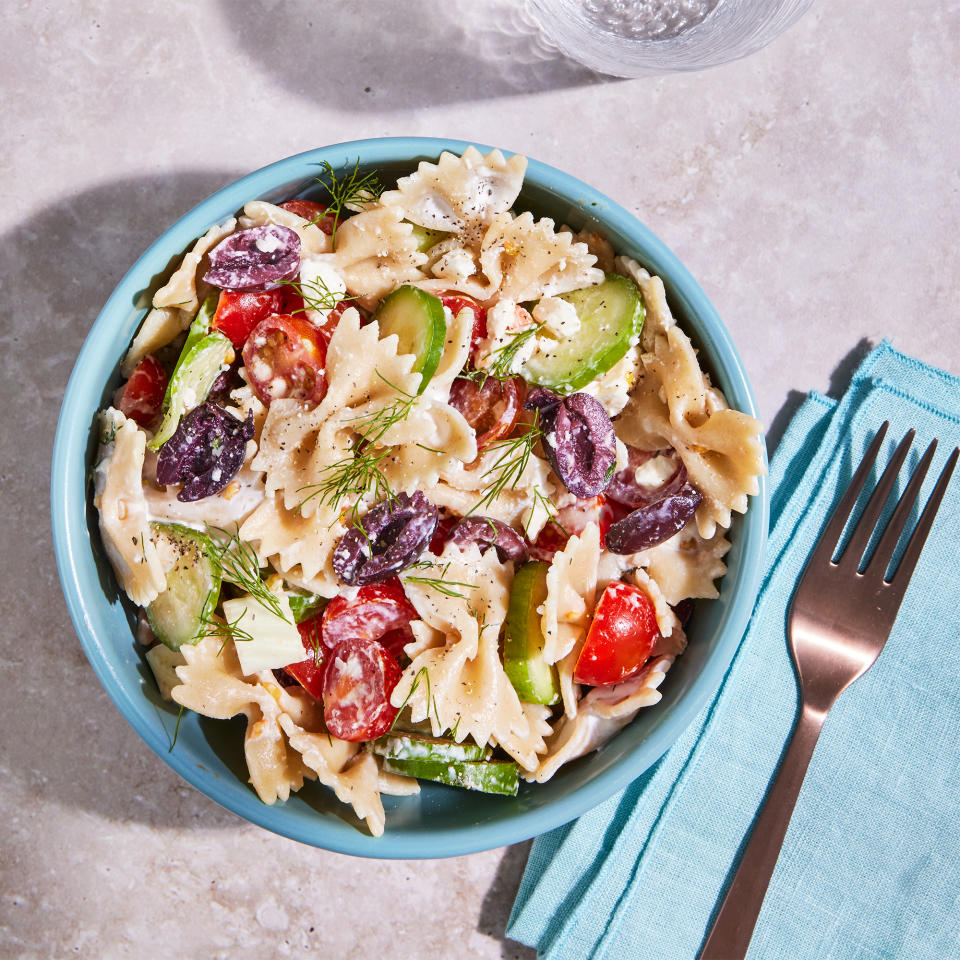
[(333, 318), (359, 679), (239, 311), (310, 672), (285, 356), (621, 638), (492, 409), (314, 212), (377, 610), (142, 395), (573, 519), (455, 302)]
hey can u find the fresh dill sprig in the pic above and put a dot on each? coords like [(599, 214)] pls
[(352, 478), (359, 473), (500, 362), (238, 562), (441, 584), (316, 294), (456, 727), (510, 465), (373, 426), (212, 626), (345, 190), (176, 729), (422, 673), (481, 617), (549, 508)]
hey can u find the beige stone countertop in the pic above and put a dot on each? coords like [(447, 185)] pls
[(813, 190)]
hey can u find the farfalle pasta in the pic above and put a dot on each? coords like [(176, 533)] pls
[(420, 485)]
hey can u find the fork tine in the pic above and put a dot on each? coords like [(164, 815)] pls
[(863, 531), (903, 573), (838, 519), (888, 542)]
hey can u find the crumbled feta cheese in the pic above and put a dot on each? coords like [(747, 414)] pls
[(623, 457), (455, 265), (320, 281), (504, 321), (656, 471), (268, 243), (558, 317)]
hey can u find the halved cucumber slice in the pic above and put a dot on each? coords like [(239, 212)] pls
[(416, 746), (416, 317), (487, 776), (532, 677), (198, 330), (611, 317), (200, 363), (193, 584)]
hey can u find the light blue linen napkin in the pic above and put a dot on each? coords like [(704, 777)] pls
[(870, 864)]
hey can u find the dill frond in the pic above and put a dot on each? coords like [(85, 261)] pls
[(449, 588), (508, 468), (239, 564), (346, 190), (316, 295)]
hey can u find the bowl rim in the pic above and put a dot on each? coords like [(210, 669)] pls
[(71, 534)]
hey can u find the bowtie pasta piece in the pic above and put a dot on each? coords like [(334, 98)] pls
[(300, 548), (462, 685), (119, 499), (526, 259), (181, 289), (603, 712), (459, 195), (259, 213), (376, 251), (675, 405)]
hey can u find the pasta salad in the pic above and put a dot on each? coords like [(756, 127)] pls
[(422, 486)]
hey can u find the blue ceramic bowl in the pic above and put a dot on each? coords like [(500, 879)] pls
[(440, 822)]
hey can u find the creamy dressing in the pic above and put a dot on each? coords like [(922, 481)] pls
[(230, 507)]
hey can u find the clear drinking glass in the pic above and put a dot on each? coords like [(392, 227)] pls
[(633, 38)]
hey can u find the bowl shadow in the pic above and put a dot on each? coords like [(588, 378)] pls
[(58, 265)]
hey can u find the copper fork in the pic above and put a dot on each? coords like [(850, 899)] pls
[(838, 621)]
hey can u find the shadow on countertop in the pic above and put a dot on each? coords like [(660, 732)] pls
[(498, 902), (63, 738), (839, 381), (378, 56)]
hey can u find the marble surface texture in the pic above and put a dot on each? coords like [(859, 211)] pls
[(813, 190)]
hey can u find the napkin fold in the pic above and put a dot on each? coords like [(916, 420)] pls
[(870, 863)]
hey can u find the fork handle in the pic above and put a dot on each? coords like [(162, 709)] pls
[(731, 932)]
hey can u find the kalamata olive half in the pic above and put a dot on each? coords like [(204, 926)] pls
[(486, 533), (625, 488), (390, 538), (205, 452), (578, 438), (256, 258), (647, 526)]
